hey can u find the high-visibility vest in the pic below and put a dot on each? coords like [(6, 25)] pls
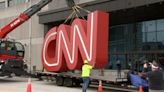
[(86, 69)]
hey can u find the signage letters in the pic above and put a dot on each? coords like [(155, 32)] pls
[(65, 47)]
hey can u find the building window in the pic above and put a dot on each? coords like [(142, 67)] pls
[(130, 42), (2, 5), (15, 2)]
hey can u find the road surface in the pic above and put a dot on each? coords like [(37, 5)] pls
[(17, 84)]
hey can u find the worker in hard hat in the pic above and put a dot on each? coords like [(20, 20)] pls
[(86, 69), (155, 78)]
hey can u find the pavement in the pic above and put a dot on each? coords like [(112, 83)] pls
[(19, 84)]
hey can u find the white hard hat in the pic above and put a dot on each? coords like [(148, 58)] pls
[(154, 67), (85, 61)]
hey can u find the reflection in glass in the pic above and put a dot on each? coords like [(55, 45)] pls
[(160, 25), (150, 26), (151, 37), (160, 36), (128, 42)]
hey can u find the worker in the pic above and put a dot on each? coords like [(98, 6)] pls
[(86, 69), (146, 66), (155, 78), (118, 63)]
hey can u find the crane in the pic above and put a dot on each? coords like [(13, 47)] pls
[(11, 52)]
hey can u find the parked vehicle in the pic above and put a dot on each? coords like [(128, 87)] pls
[(12, 52)]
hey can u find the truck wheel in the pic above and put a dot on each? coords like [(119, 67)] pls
[(68, 82), (59, 81)]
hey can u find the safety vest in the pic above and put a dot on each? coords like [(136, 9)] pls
[(86, 69)]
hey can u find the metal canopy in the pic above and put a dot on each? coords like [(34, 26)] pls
[(120, 13)]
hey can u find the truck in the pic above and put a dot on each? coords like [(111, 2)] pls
[(63, 77), (65, 48), (12, 52)]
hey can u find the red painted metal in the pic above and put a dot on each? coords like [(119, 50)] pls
[(17, 22), (8, 56), (14, 24), (65, 47)]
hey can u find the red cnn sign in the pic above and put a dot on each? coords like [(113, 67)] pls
[(65, 47)]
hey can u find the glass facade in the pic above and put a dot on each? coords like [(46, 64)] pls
[(15, 2), (2, 5), (136, 42)]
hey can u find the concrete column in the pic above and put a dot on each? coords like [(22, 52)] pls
[(6, 3)]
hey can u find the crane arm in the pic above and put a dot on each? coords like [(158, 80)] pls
[(22, 18)]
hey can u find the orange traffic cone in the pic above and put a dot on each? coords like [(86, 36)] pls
[(140, 89), (100, 89), (29, 88)]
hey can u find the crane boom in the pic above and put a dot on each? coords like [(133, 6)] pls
[(22, 18)]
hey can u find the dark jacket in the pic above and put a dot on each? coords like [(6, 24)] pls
[(155, 80)]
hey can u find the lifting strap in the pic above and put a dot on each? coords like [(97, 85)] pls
[(76, 11)]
